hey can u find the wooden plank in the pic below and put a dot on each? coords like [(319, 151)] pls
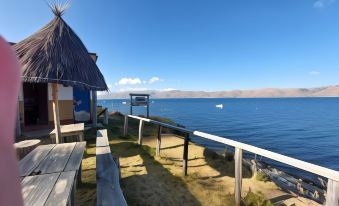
[(76, 157), (33, 159), (185, 154), (106, 117), (238, 175), (107, 173), (36, 189), (102, 139), (141, 129), (158, 141), (61, 191), (125, 125), (56, 159), (79, 127), (332, 198)]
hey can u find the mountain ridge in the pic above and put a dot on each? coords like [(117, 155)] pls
[(326, 91)]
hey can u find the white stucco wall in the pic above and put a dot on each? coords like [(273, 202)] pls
[(64, 93)]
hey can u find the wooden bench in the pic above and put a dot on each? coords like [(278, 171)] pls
[(107, 173), (66, 130), (70, 130)]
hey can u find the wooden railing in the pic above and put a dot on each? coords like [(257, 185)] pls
[(332, 197)]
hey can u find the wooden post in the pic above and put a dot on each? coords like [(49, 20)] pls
[(58, 138), (158, 141), (147, 106), (18, 128), (131, 109), (238, 175), (79, 174), (185, 154), (94, 109), (332, 197), (141, 128), (125, 125), (254, 168), (81, 137), (106, 116)]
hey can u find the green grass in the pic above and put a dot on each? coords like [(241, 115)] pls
[(260, 176), (255, 199)]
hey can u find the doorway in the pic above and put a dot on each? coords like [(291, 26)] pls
[(35, 103)]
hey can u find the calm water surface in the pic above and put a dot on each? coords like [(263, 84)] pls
[(303, 128)]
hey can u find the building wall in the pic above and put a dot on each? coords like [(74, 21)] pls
[(65, 95)]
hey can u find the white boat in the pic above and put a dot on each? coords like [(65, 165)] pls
[(219, 106), (124, 102)]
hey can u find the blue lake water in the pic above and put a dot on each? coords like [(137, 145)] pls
[(303, 128)]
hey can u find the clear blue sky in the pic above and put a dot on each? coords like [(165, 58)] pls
[(197, 45)]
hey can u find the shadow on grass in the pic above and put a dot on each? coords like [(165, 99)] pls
[(224, 166), (158, 186)]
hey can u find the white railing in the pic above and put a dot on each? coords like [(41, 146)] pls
[(332, 197)]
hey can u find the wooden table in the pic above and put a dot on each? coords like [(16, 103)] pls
[(49, 172), (70, 130)]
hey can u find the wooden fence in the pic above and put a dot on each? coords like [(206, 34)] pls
[(332, 196)]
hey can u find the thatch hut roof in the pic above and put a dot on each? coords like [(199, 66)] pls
[(55, 54)]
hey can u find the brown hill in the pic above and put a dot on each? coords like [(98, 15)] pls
[(328, 91)]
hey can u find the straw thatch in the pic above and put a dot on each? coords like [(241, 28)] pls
[(55, 54)]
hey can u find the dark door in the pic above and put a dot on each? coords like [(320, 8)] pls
[(35, 103)]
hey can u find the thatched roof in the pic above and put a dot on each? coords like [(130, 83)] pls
[(55, 54)]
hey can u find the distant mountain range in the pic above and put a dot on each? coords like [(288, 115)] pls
[(328, 91)]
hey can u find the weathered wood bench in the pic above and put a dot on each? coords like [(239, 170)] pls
[(70, 130), (66, 131), (107, 173)]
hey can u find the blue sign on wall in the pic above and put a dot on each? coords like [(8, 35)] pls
[(82, 105)]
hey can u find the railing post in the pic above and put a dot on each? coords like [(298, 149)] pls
[(158, 141), (332, 197), (185, 155), (125, 125), (106, 117), (94, 109), (141, 128), (238, 175)]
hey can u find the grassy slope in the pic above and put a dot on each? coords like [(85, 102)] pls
[(143, 175)]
